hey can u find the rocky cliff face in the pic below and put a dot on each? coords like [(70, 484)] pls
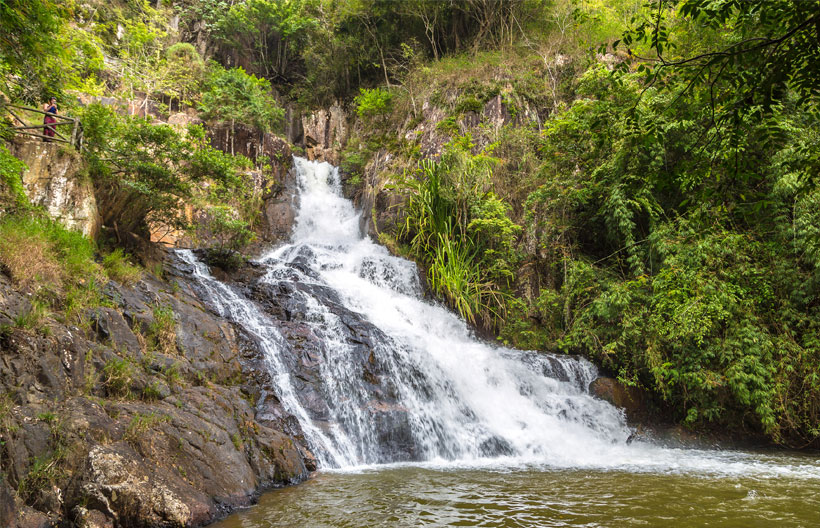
[(54, 180), (121, 423), (325, 134)]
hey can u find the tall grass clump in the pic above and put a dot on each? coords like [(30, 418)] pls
[(56, 263), (162, 336), (460, 231), (118, 268)]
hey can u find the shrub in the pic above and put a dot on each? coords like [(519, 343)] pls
[(233, 96), (38, 249), (32, 318), (232, 233), (461, 232), (152, 391), (146, 173), (373, 103), (141, 423), (184, 72)]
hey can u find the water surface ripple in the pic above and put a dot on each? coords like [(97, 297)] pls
[(529, 497)]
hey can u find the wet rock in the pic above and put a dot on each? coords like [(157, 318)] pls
[(632, 400), (309, 354)]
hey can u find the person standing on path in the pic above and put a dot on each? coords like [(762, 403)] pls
[(51, 109)]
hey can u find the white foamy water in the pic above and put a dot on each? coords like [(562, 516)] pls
[(458, 401)]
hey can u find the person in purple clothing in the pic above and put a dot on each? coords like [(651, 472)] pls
[(51, 108)]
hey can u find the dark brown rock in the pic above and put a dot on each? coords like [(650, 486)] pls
[(8, 510), (632, 400)]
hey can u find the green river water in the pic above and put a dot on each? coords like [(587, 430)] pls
[(536, 497)]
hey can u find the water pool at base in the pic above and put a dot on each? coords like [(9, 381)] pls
[(517, 497)]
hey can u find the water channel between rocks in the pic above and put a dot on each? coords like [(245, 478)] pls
[(414, 422)]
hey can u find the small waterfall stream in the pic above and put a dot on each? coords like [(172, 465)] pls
[(396, 378)]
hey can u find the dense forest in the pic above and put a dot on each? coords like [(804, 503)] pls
[(649, 200)]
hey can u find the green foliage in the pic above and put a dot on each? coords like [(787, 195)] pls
[(152, 391), (271, 31), (142, 423), (33, 317), (41, 255), (373, 103), (184, 72), (233, 96), (12, 193), (48, 469), (685, 295), (494, 234), (162, 332), (145, 172), (769, 58), (237, 441), (28, 29), (84, 65), (48, 417), (354, 160), (469, 104), (461, 232), (231, 232)]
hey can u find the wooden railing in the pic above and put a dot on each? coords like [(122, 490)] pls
[(75, 137)]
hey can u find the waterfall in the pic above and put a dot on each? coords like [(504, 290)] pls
[(425, 388), (376, 374)]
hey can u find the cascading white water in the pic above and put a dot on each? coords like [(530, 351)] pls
[(453, 398)]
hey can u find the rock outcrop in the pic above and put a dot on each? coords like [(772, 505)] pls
[(273, 179), (107, 425), (54, 180), (325, 134)]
